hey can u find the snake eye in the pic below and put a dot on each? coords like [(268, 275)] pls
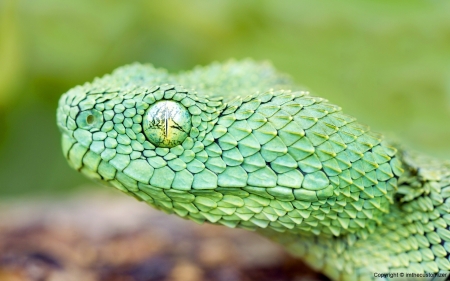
[(167, 123)]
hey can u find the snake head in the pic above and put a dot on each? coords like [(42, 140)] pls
[(124, 131), (274, 159)]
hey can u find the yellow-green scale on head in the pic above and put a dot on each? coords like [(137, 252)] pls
[(240, 145)]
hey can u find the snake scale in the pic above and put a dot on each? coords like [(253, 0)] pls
[(239, 144)]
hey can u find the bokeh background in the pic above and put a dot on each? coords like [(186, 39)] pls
[(387, 63)]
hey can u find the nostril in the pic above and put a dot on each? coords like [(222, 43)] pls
[(90, 119)]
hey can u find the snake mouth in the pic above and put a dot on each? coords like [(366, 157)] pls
[(80, 157)]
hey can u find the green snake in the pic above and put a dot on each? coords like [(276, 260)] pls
[(239, 144)]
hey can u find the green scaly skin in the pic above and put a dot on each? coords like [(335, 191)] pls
[(262, 154)]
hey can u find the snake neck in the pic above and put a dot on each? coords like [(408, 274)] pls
[(413, 237)]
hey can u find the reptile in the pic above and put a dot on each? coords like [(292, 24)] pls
[(241, 145)]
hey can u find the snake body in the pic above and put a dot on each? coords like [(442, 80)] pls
[(241, 145)]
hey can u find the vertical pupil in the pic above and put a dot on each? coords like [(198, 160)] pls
[(167, 123)]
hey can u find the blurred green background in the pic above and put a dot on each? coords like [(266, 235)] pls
[(387, 63)]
